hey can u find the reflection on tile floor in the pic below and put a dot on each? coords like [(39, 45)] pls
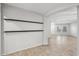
[(58, 46)]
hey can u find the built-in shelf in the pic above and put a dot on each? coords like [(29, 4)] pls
[(24, 21), (23, 31)]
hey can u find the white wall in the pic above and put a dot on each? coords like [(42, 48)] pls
[(11, 25), (21, 40), (0, 28), (78, 29), (46, 30), (74, 29)]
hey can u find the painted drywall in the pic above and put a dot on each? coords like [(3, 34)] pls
[(22, 40), (0, 28), (74, 29), (46, 30), (18, 13), (13, 25), (78, 30)]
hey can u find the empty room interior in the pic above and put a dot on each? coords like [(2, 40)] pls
[(39, 29)]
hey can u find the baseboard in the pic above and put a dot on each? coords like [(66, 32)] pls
[(21, 50)]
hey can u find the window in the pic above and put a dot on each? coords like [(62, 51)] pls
[(60, 28)]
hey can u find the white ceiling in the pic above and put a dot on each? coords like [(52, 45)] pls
[(68, 15), (42, 8)]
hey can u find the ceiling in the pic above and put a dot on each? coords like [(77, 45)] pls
[(43, 8)]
